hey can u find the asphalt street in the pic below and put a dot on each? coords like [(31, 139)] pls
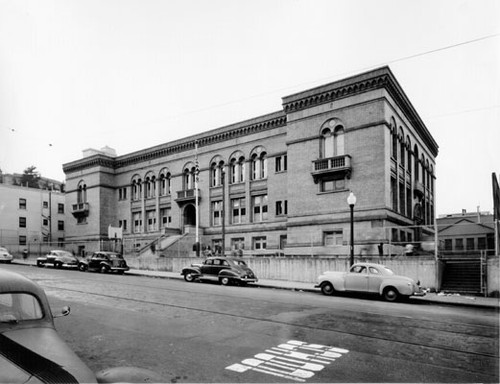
[(203, 332)]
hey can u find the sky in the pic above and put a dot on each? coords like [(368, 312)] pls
[(132, 74)]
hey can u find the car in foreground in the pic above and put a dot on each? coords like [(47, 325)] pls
[(5, 256), (58, 259), (31, 350), (369, 278), (225, 270), (104, 262)]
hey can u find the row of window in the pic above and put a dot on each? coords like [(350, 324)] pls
[(23, 204), (147, 188), (45, 222), (23, 240), (470, 244)]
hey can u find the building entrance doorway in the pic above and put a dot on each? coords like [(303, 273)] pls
[(189, 215)]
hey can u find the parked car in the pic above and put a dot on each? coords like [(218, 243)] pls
[(104, 262), (5, 256), (369, 278), (31, 350), (226, 270), (58, 259)]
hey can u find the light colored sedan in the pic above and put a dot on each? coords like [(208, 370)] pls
[(369, 278), (5, 256)]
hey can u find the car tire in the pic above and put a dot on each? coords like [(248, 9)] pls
[(82, 267), (327, 289), (104, 269), (225, 280), (189, 277), (58, 265), (391, 294), (39, 264)]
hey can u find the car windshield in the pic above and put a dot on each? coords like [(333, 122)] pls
[(240, 262), (2, 249), (388, 271), (17, 307), (115, 255)]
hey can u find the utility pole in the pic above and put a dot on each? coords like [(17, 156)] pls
[(223, 176)]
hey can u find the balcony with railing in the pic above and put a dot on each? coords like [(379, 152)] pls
[(336, 167), (80, 209), (187, 195)]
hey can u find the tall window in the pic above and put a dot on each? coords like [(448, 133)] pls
[(402, 147), (81, 194), (259, 166), (188, 179), (281, 207), (137, 220), (409, 162), (216, 213), (259, 204), (22, 222), (216, 171), (281, 163), (60, 225), (136, 189), (60, 208), (150, 185), (165, 217), (332, 140), (22, 203), (151, 220), (165, 184), (239, 212), (237, 170)]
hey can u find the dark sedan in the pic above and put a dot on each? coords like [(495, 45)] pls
[(226, 270), (104, 262)]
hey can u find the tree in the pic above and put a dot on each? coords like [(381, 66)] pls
[(31, 177)]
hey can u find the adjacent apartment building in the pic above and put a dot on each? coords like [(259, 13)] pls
[(31, 219), (276, 183)]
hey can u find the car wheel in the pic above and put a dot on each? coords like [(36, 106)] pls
[(391, 294), (104, 269), (189, 277), (58, 265), (327, 289), (39, 264), (82, 267), (225, 280)]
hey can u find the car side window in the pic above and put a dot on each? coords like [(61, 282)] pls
[(224, 262), (209, 262), (217, 262), (374, 271), (358, 269)]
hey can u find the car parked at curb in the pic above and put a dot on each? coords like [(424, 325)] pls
[(104, 262), (58, 259), (31, 350), (5, 256), (225, 270), (369, 278)]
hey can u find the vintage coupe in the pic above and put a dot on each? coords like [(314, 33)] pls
[(5, 256), (58, 259), (369, 278), (104, 262), (31, 350), (226, 270)]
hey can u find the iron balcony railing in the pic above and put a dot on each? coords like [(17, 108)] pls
[(330, 166)]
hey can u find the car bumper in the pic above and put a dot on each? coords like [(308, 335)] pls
[(420, 293), (249, 279), (124, 269)]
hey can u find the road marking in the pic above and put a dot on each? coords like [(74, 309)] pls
[(294, 360)]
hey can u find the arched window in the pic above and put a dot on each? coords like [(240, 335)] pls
[(402, 146), (237, 168), (416, 165), (136, 188), (188, 176), (394, 148), (409, 165), (216, 168), (332, 139), (259, 163), (165, 182), (81, 194), (150, 185)]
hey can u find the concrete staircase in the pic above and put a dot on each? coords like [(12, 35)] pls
[(462, 276)]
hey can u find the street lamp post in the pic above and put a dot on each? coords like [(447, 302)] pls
[(223, 213), (351, 200)]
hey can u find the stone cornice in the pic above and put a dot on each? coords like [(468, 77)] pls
[(372, 80), (256, 125)]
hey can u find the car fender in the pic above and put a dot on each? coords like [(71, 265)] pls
[(229, 273), (191, 270), (403, 285), (335, 278), (128, 375)]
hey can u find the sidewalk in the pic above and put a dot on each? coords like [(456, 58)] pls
[(431, 298)]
